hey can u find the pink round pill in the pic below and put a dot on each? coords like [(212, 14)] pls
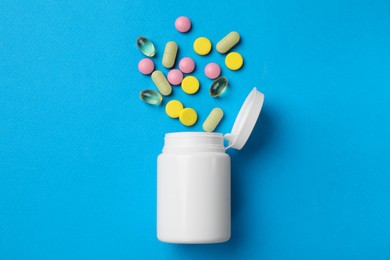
[(183, 24), (212, 70), (175, 77), (146, 66), (187, 65)]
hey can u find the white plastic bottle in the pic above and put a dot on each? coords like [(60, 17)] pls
[(193, 180)]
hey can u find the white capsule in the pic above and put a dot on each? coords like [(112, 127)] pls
[(228, 42), (170, 53), (161, 83), (213, 119)]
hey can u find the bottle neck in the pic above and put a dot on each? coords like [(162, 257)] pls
[(193, 142)]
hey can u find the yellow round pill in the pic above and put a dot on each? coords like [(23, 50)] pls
[(202, 46), (234, 61), (190, 85), (174, 108), (188, 116)]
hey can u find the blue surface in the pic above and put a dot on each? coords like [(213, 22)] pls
[(78, 147)]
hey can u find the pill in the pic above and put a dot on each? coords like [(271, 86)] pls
[(190, 85), (212, 70), (187, 65), (161, 83), (174, 108), (151, 97), (175, 77), (202, 46), (234, 61), (218, 87), (146, 46), (170, 53), (188, 116), (213, 119), (228, 42), (146, 66), (183, 24)]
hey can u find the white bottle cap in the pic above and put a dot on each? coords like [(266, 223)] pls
[(245, 120)]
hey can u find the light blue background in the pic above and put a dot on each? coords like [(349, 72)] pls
[(78, 148)]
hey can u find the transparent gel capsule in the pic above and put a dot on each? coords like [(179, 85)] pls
[(218, 87), (151, 97), (146, 46)]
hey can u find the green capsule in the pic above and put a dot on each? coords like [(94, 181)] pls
[(218, 87), (213, 120), (151, 97), (146, 46)]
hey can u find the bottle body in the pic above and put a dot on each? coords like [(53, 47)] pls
[(193, 189)]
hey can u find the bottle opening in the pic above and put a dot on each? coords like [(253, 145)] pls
[(193, 142)]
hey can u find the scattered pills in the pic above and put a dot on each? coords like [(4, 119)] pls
[(174, 108), (170, 53), (187, 65), (161, 83), (213, 120), (212, 70), (228, 42), (175, 77), (146, 46), (188, 116), (151, 97), (146, 66), (218, 87), (234, 61), (202, 46), (190, 85), (183, 24)]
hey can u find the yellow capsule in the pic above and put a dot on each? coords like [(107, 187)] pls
[(161, 83), (228, 42), (213, 119), (173, 108), (170, 53), (219, 86), (188, 116)]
